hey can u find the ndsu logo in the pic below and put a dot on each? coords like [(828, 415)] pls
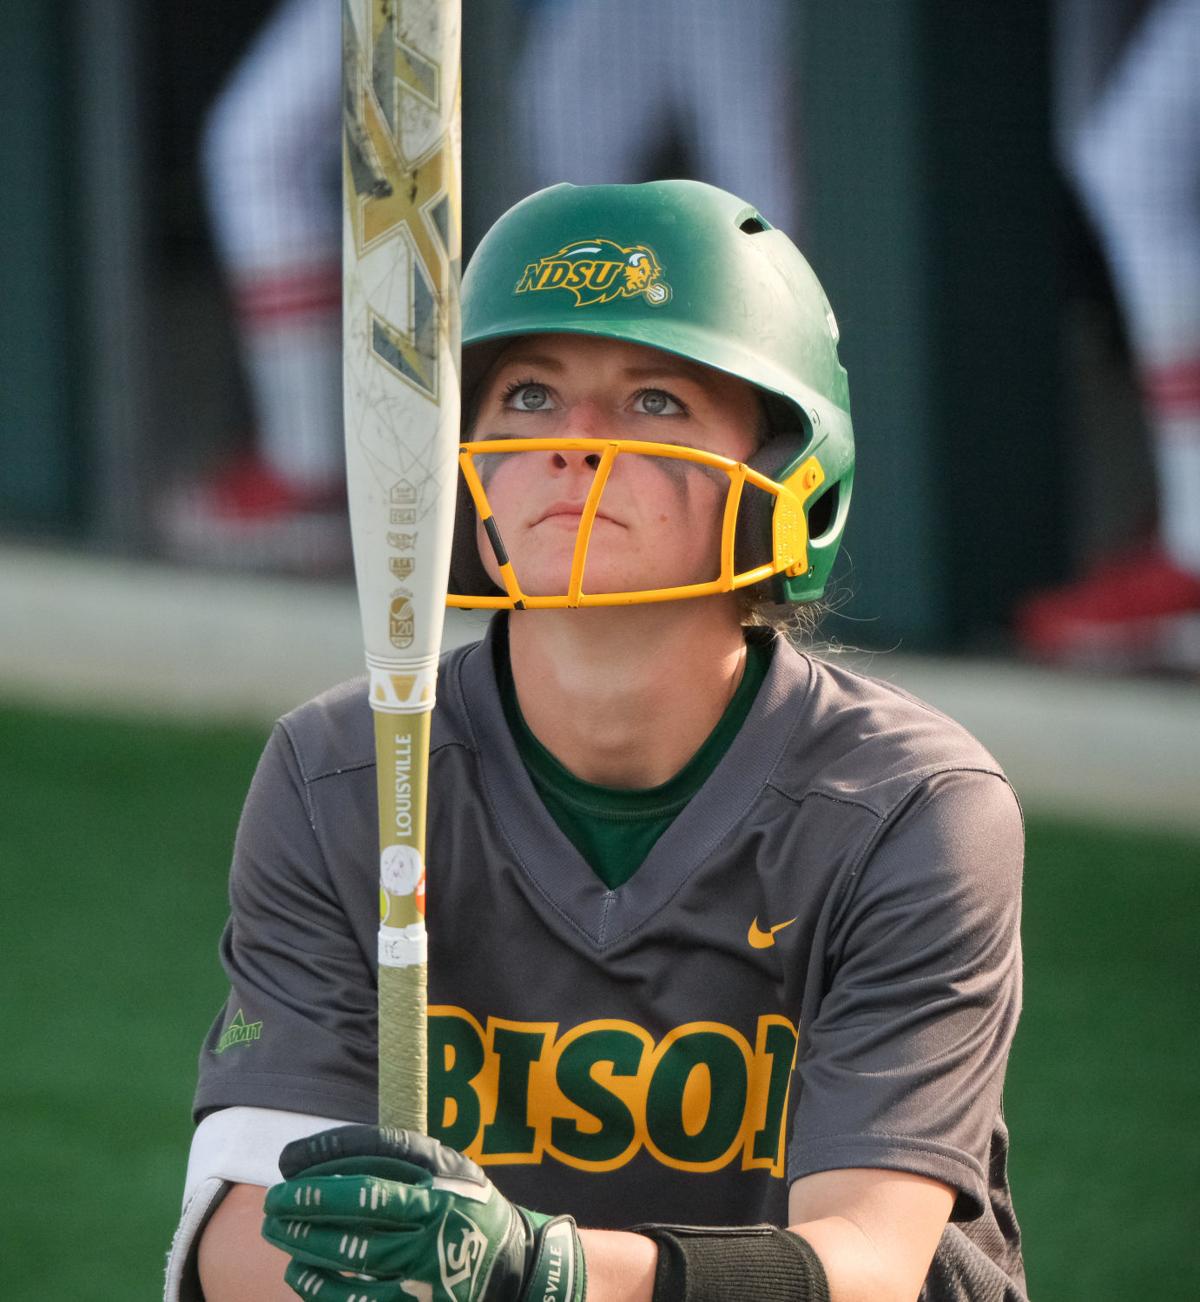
[(460, 1249), (597, 271)]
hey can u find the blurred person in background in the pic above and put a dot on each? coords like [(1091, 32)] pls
[(1133, 154), (608, 90), (590, 106), (271, 157)]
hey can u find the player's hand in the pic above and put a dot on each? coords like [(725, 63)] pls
[(377, 1215)]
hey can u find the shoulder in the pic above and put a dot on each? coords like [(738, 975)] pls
[(863, 741), (333, 733)]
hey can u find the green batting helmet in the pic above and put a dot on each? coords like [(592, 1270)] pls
[(692, 270)]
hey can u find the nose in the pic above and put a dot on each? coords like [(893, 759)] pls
[(584, 420), (561, 460)]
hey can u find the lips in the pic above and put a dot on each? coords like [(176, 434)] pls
[(568, 511)]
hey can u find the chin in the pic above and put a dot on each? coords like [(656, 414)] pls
[(550, 575)]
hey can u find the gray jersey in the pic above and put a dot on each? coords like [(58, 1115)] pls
[(816, 967)]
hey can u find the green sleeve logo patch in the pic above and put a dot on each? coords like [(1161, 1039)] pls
[(239, 1031)]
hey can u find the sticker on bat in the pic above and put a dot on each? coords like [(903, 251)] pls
[(401, 621), (401, 869)]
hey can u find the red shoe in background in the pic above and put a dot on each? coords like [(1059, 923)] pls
[(1138, 611), (248, 517)]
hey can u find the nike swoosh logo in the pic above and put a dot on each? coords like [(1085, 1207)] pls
[(760, 939)]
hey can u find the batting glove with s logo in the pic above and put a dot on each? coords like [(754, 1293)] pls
[(377, 1215)]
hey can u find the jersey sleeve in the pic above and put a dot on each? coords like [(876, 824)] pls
[(297, 1032), (903, 1065)]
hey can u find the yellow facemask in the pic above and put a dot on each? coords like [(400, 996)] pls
[(789, 528)]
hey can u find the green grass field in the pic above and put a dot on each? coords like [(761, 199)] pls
[(114, 846)]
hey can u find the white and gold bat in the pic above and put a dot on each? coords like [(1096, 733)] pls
[(401, 250)]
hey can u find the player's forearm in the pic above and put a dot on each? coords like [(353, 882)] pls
[(236, 1263), (855, 1267), (620, 1266)]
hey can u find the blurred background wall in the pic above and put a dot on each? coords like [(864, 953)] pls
[(976, 313)]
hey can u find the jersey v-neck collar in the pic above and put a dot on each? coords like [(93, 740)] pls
[(615, 828), (547, 856)]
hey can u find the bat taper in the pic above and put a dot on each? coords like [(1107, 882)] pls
[(401, 261)]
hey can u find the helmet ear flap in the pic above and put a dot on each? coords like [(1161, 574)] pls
[(753, 541)]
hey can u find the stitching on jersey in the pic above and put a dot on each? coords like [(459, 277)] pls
[(918, 778), (359, 765), (310, 810), (309, 807), (814, 1155), (896, 690), (836, 902), (448, 671), (609, 897), (824, 795)]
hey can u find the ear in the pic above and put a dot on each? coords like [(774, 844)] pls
[(752, 541)]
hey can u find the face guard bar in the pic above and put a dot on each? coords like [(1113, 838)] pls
[(789, 525)]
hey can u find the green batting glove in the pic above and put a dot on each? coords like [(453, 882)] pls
[(378, 1215)]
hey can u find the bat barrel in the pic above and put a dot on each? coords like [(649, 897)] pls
[(400, 262)]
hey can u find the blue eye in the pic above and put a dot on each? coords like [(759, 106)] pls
[(527, 396), (658, 402)]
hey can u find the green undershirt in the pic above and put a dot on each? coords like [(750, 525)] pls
[(615, 828)]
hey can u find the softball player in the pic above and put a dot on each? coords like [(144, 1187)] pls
[(1133, 152), (724, 961), (601, 87), (271, 153)]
